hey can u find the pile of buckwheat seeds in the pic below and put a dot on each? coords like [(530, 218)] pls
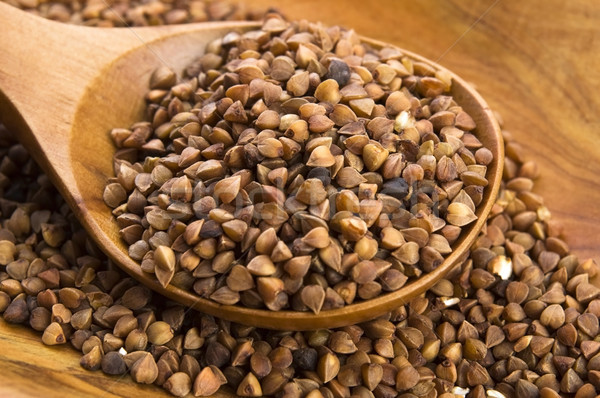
[(296, 168), (518, 318)]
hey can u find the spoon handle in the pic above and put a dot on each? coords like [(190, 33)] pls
[(45, 68)]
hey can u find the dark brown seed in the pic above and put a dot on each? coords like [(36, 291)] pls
[(339, 71), (39, 318), (17, 311), (216, 354), (136, 297), (397, 188), (305, 358), (113, 364)]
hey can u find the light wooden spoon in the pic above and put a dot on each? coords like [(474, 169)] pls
[(63, 87)]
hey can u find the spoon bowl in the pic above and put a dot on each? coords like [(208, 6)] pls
[(64, 87)]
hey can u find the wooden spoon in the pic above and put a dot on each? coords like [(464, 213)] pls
[(63, 87)]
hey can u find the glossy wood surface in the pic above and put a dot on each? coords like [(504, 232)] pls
[(70, 139), (535, 62)]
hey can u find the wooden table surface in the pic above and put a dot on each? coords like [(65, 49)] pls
[(536, 62)]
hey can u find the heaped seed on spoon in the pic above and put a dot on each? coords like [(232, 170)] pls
[(295, 140)]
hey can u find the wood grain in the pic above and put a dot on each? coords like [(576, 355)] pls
[(535, 62), (32, 370)]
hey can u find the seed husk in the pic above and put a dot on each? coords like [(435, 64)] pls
[(16, 311), (474, 349), (208, 382), (339, 71), (406, 378), (164, 258), (588, 323), (249, 387), (144, 370), (321, 157), (261, 265), (7, 252), (162, 78), (269, 289), (317, 238), (114, 195), (391, 238), (235, 229), (311, 192), (54, 334), (159, 333), (328, 367), (328, 91), (225, 296), (178, 384), (313, 296), (585, 292), (553, 316), (240, 279), (92, 360), (227, 189), (570, 382), (371, 375), (61, 314), (353, 228), (408, 253), (374, 156), (297, 267), (39, 318), (113, 363), (397, 188), (364, 272), (460, 214)]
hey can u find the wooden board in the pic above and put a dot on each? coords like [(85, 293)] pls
[(535, 62)]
